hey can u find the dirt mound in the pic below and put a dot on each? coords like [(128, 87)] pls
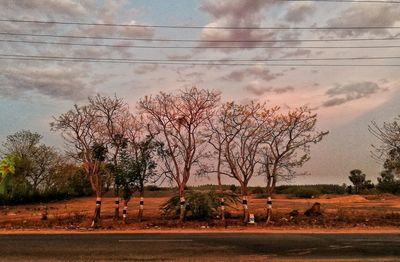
[(342, 199)]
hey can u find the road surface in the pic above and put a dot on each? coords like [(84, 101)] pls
[(200, 247)]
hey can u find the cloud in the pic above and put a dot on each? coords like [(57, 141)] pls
[(258, 72), (343, 94), (55, 82), (298, 12), (144, 69), (41, 10), (235, 13), (258, 89), (281, 90), (297, 52), (69, 8), (364, 16)]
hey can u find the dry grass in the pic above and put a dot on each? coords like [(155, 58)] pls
[(338, 212)]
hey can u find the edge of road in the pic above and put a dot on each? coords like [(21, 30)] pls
[(391, 230)]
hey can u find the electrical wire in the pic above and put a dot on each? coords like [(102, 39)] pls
[(198, 27), (197, 47), (199, 40), (188, 62)]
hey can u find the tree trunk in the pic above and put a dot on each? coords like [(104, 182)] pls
[(96, 217), (116, 208), (221, 190), (125, 211), (141, 207), (182, 206), (223, 211), (269, 209), (245, 208)]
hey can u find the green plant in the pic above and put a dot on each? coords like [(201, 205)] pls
[(258, 190), (387, 183), (153, 188), (306, 192), (233, 188), (199, 205)]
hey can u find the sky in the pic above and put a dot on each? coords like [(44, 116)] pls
[(346, 98)]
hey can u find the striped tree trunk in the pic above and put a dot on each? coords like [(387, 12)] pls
[(269, 210), (141, 207), (116, 208), (223, 211), (96, 217), (182, 209), (245, 209), (125, 212)]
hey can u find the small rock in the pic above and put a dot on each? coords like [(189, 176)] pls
[(284, 219), (315, 210), (293, 214)]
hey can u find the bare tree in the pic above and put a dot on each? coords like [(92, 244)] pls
[(240, 136), (217, 138), (288, 147), (90, 131), (178, 121), (388, 136), (79, 128), (142, 148), (113, 116)]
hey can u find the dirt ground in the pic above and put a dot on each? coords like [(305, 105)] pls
[(366, 213)]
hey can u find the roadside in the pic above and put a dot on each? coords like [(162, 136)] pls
[(340, 214)]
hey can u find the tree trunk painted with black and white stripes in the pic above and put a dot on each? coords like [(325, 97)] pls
[(245, 209), (141, 207), (97, 211), (116, 208), (125, 211), (221, 190), (269, 209), (245, 203), (271, 182), (182, 203)]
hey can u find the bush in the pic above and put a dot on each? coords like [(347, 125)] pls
[(21, 193), (153, 188), (233, 188), (78, 185), (387, 183), (306, 192), (199, 205), (258, 190), (310, 190)]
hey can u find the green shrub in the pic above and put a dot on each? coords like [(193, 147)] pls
[(199, 205), (153, 188), (233, 188), (258, 190), (306, 192), (78, 185)]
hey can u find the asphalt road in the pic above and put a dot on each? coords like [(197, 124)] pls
[(200, 247)]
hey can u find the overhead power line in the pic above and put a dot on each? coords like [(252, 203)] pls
[(344, 1), (191, 62), (203, 60), (198, 27), (199, 40), (196, 47), (205, 64)]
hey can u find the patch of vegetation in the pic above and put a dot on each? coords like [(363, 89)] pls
[(199, 204), (308, 191)]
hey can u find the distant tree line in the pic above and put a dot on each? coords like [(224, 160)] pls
[(33, 172)]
